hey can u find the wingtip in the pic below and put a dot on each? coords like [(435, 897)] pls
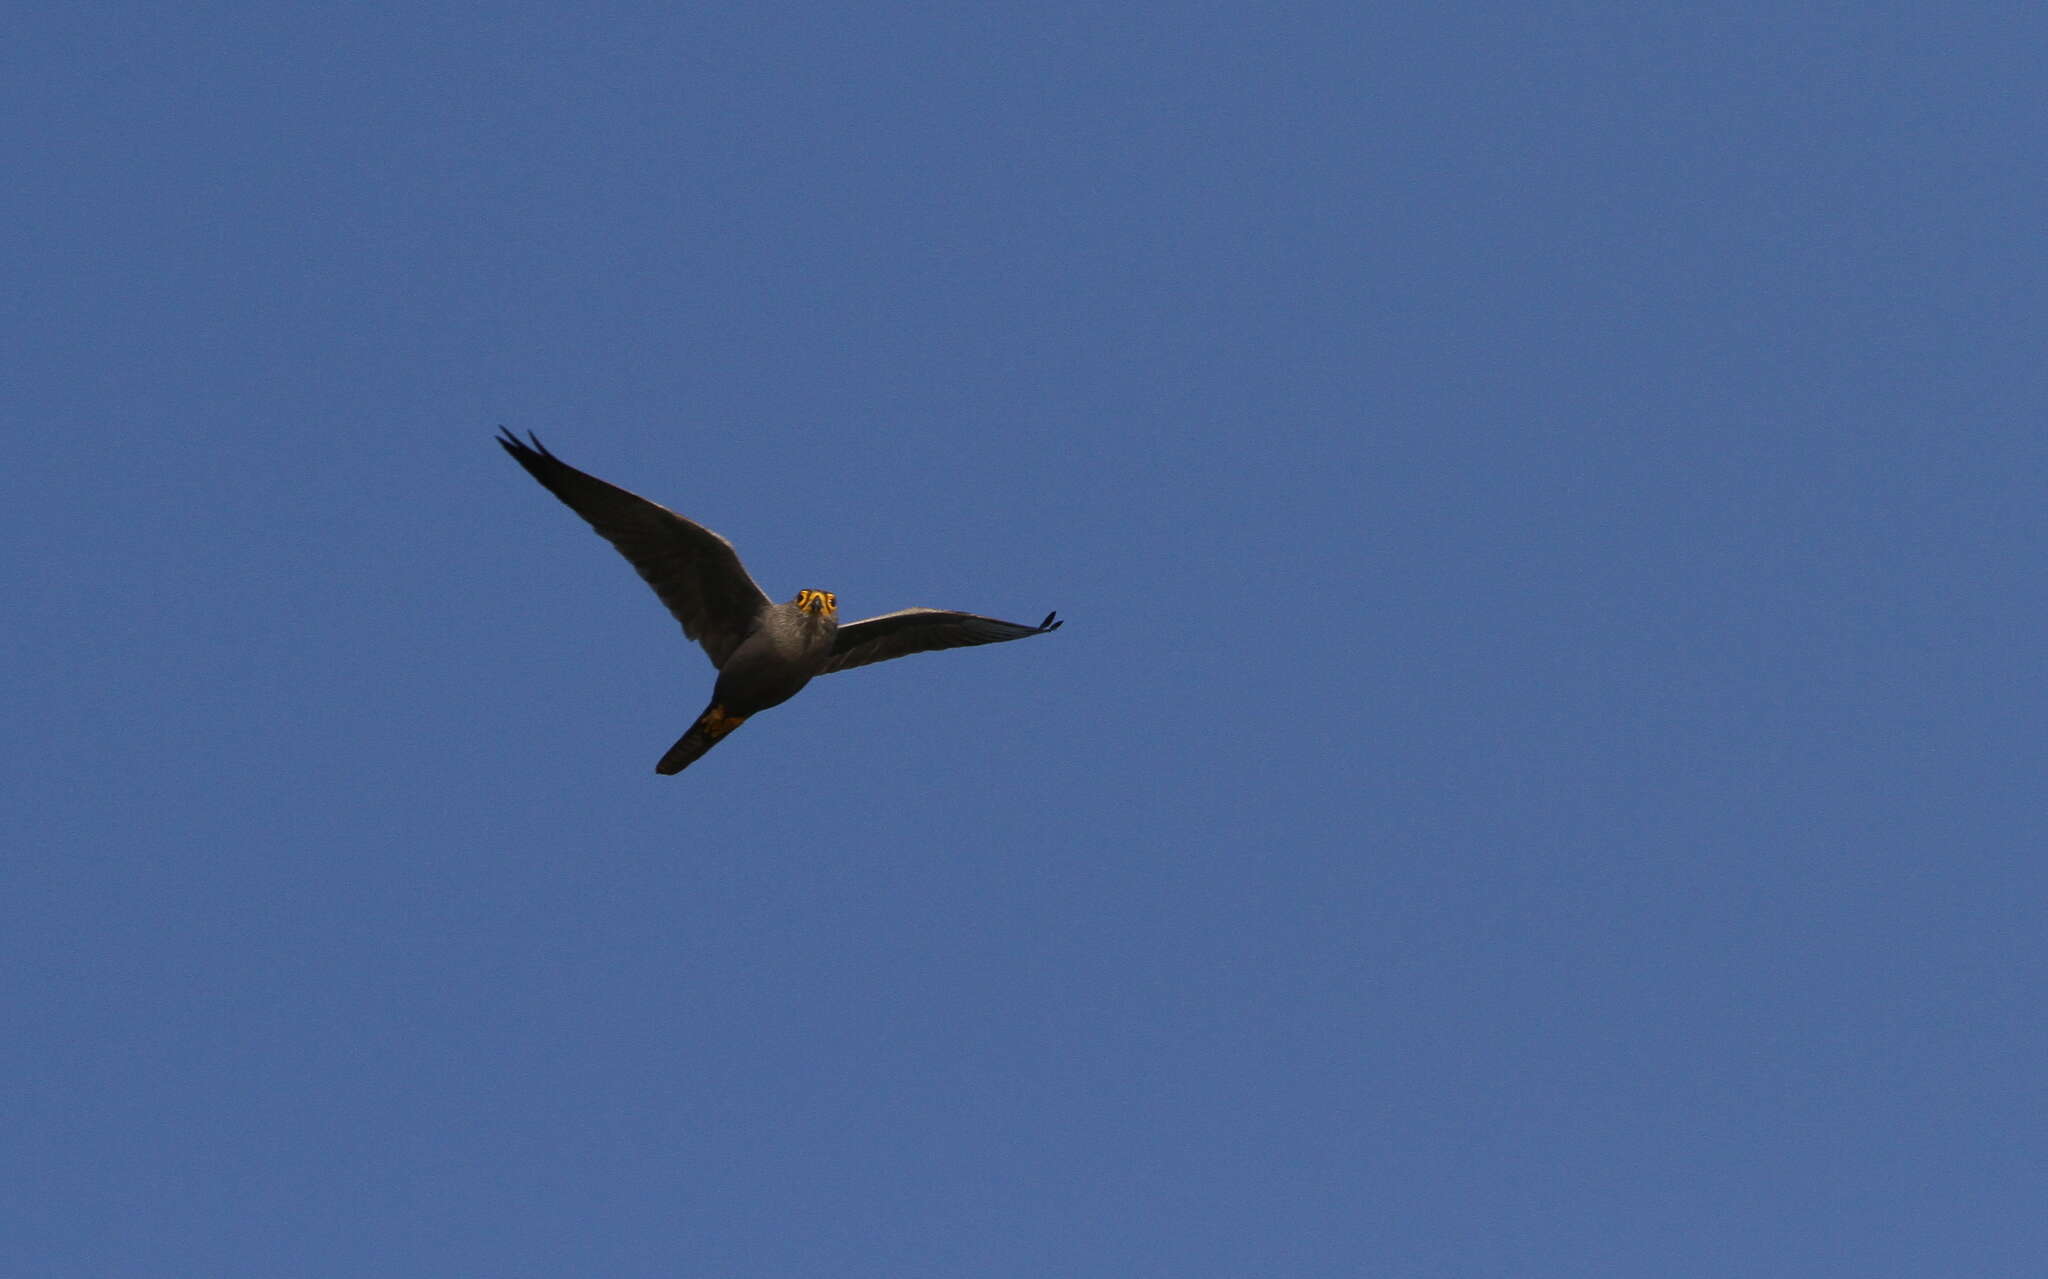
[(511, 443), (1050, 624)]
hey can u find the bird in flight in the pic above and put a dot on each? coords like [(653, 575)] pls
[(764, 651)]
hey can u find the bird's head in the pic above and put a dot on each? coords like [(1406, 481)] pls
[(819, 603)]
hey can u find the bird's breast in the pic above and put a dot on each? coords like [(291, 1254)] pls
[(779, 658)]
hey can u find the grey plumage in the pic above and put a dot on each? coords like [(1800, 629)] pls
[(765, 652)]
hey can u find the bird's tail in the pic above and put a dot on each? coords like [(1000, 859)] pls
[(709, 730)]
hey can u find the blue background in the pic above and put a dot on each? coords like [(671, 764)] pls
[(1544, 773)]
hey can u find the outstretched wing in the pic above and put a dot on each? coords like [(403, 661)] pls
[(922, 630), (694, 570)]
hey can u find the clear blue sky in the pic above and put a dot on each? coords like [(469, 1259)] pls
[(1544, 774)]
